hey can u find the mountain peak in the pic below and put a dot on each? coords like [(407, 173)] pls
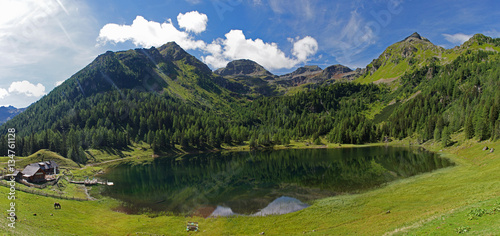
[(335, 70), (479, 38), (304, 70), (8, 112), (243, 67), (173, 52), (415, 37)]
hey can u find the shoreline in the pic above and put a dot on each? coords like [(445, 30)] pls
[(436, 202)]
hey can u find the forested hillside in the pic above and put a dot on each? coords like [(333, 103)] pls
[(170, 100)]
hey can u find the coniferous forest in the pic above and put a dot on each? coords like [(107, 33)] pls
[(168, 99)]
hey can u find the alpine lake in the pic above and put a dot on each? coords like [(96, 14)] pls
[(260, 182)]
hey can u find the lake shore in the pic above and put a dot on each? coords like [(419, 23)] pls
[(436, 202)]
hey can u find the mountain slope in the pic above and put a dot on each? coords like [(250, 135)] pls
[(7, 113), (247, 77), (119, 98), (172, 101), (413, 51)]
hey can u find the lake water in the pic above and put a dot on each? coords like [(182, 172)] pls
[(260, 183)]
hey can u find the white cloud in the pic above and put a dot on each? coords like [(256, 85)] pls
[(3, 93), (354, 38), (457, 38), (193, 21), (216, 59), (27, 88), (300, 8), (237, 46), (57, 83), (493, 33), (304, 48), (146, 33), (36, 35), (218, 53), (194, 2)]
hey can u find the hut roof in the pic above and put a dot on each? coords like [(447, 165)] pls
[(45, 165), (30, 170)]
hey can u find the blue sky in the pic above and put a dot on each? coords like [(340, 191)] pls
[(42, 43)]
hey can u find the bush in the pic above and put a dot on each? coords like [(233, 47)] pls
[(462, 229)]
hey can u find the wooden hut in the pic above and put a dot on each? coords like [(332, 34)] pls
[(33, 174)]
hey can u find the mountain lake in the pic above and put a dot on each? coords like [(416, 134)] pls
[(260, 182)]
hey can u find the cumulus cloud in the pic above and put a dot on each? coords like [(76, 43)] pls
[(237, 46), (234, 46), (146, 33), (27, 88), (3, 93), (193, 21), (457, 38), (304, 48), (37, 35)]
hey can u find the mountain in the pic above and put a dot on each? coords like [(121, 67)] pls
[(169, 99), (313, 75), (413, 51), (7, 113), (300, 76), (335, 71), (248, 78), (243, 67), (115, 99)]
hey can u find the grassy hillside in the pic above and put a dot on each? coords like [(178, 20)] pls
[(45, 155), (408, 55), (416, 205)]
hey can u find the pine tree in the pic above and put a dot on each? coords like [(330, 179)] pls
[(469, 128), (445, 137)]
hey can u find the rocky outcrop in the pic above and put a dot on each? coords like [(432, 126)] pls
[(335, 71), (173, 52), (243, 67), (299, 76), (302, 71), (415, 37)]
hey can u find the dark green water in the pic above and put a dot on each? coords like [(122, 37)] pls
[(257, 182)]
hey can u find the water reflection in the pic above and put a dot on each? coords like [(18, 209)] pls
[(281, 205), (250, 182)]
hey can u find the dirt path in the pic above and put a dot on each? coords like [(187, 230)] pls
[(87, 193)]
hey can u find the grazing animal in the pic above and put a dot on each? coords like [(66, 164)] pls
[(57, 205)]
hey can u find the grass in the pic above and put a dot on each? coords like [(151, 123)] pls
[(373, 110), (482, 218), (44, 155), (390, 70), (417, 206)]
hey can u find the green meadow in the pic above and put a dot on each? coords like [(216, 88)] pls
[(460, 199)]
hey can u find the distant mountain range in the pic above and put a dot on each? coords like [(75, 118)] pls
[(7, 113)]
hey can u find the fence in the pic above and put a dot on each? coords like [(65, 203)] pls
[(37, 192), (40, 186)]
